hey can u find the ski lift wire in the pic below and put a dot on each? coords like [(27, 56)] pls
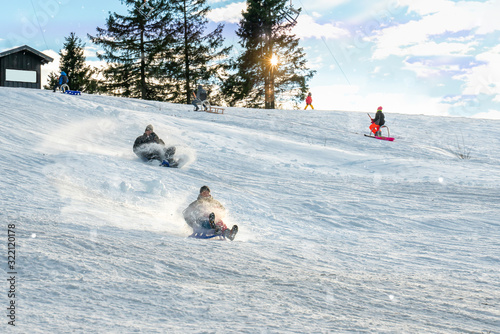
[(333, 56), (328, 48), (39, 26)]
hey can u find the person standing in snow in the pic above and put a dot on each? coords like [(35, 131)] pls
[(150, 147), (379, 120), (309, 101), (207, 213), (63, 80), (200, 97)]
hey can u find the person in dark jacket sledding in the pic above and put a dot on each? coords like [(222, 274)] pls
[(379, 120), (63, 80), (150, 147)]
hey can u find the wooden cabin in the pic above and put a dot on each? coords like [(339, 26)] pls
[(21, 67)]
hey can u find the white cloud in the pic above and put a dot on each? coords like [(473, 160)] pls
[(484, 79), (316, 63), (491, 114), (482, 15), (425, 7), (352, 98), (89, 51), (210, 2), (439, 17), (422, 70), (307, 28), (426, 49), (320, 5), (306, 25), (230, 13), (50, 67)]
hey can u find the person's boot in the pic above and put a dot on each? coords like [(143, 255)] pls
[(173, 164), (211, 220), (230, 234)]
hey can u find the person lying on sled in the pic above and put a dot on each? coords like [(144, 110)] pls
[(207, 213), (150, 147)]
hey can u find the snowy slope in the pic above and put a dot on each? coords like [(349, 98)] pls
[(338, 232)]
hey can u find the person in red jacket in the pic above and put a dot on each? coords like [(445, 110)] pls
[(309, 101)]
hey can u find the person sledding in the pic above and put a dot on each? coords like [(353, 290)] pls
[(309, 101), (62, 83), (376, 126), (150, 147), (377, 122), (205, 216), (200, 98)]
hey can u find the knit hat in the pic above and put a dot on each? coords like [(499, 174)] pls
[(202, 189), (149, 128), (379, 108)]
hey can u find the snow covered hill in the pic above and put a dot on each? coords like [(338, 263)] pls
[(338, 232)]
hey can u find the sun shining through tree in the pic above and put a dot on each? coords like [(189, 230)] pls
[(272, 66), (274, 60)]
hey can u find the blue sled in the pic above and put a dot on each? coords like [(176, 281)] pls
[(73, 92), (206, 234)]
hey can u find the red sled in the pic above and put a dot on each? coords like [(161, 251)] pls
[(380, 137)]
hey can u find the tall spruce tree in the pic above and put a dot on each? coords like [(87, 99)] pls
[(73, 63), (265, 34), (202, 57), (137, 49)]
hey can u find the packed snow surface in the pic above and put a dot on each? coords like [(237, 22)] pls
[(338, 232)]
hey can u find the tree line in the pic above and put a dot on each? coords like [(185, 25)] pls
[(162, 49)]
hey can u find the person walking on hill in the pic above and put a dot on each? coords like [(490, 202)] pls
[(200, 98), (309, 101)]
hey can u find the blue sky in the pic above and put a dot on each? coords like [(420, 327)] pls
[(436, 57)]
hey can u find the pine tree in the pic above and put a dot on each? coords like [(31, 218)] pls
[(73, 63), (265, 35), (52, 81), (202, 59), (137, 50)]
